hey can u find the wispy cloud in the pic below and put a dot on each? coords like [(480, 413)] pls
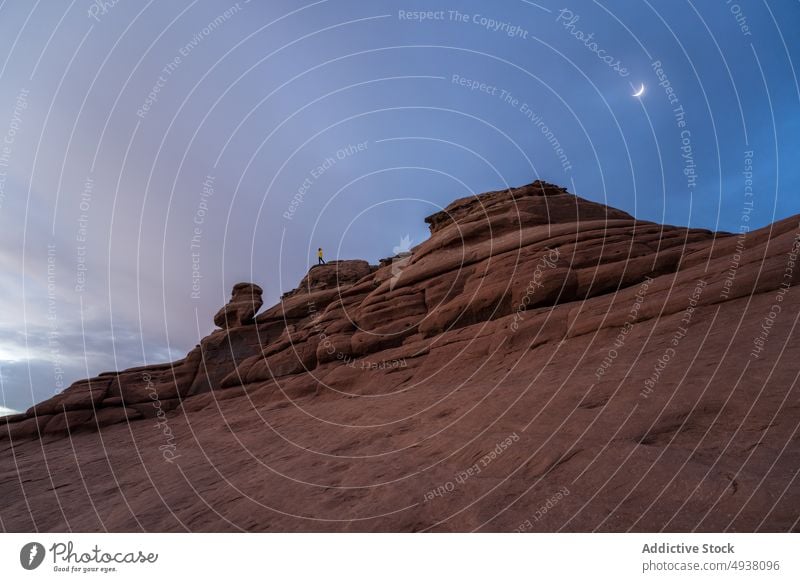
[(6, 411)]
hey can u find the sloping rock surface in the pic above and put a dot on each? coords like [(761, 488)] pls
[(541, 363), (240, 310)]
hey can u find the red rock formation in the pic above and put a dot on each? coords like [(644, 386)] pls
[(538, 346)]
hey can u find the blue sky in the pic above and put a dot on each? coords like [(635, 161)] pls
[(152, 143)]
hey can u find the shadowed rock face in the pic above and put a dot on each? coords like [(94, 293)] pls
[(539, 350), (240, 310), (332, 275)]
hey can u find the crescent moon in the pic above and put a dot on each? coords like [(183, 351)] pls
[(640, 92)]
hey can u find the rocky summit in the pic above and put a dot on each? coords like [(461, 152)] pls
[(541, 363)]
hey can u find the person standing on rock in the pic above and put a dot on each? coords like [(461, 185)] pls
[(320, 260)]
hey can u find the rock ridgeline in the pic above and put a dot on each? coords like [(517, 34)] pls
[(477, 267), (644, 369)]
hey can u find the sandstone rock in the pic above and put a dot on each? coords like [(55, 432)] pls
[(241, 309), (156, 407), (68, 421), (47, 407), (539, 201), (28, 428), (12, 418), (143, 387), (336, 275), (85, 395)]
